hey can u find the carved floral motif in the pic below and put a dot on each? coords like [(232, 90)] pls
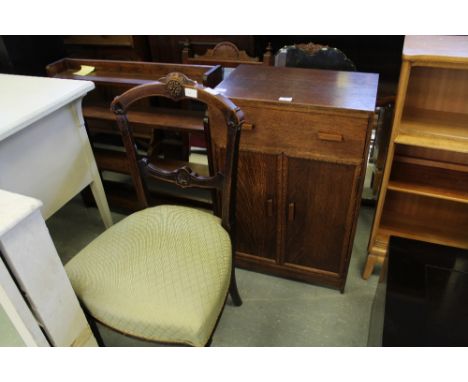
[(175, 83)]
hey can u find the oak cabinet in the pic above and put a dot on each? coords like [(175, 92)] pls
[(301, 168)]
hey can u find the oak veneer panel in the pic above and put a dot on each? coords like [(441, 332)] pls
[(330, 136), (317, 233), (305, 132), (257, 202), (308, 87)]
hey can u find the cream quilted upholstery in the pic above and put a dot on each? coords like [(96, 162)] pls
[(161, 274)]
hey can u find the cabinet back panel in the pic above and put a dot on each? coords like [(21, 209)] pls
[(435, 177), (431, 154), (438, 89)]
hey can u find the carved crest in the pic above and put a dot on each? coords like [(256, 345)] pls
[(184, 176), (311, 48), (226, 51), (175, 83)]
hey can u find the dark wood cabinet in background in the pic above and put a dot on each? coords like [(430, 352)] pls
[(301, 167), (120, 47)]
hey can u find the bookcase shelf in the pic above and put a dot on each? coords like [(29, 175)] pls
[(421, 232), (434, 129), (433, 192), (163, 118), (424, 192)]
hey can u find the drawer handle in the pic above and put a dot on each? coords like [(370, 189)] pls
[(291, 212), (270, 208), (331, 137), (248, 126)]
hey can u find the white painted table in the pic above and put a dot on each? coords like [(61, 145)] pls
[(35, 291), (44, 149)]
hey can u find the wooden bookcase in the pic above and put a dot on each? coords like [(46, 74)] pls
[(147, 118), (424, 193)]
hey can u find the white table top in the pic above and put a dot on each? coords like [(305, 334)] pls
[(14, 208), (26, 99)]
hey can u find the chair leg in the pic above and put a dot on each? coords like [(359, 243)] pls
[(235, 296), (93, 325)]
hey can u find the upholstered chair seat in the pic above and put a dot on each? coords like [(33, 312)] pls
[(160, 274)]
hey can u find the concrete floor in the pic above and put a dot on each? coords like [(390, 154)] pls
[(276, 311)]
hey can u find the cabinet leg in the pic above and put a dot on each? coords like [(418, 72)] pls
[(369, 267)]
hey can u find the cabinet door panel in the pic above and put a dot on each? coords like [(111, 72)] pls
[(318, 213), (257, 203)]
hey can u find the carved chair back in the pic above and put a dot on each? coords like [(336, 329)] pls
[(225, 54), (314, 56), (177, 87)]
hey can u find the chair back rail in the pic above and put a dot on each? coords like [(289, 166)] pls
[(177, 87)]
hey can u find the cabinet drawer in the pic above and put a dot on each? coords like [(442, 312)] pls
[(274, 130), (327, 134)]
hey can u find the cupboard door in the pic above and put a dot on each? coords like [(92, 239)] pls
[(319, 211), (257, 203)]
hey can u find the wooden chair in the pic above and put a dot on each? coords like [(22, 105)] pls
[(314, 56), (163, 274), (225, 54)]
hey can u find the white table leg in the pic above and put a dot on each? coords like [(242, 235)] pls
[(28, 251), (96, 184), (100, 197)]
